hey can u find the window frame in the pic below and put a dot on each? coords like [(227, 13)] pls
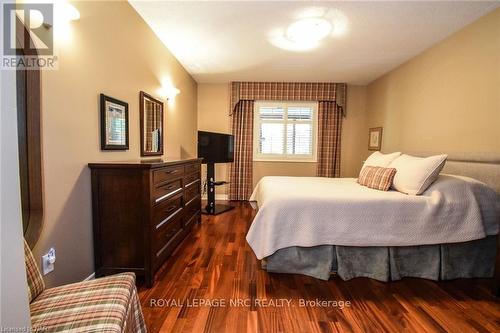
[(259, 157)]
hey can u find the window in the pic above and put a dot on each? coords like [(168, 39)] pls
[(285, 131)]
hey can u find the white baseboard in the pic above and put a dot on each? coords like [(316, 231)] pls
[(90, 277), (223, 197)]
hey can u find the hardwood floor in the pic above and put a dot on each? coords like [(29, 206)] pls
[(215, 264)]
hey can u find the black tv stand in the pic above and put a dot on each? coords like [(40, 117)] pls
[(212, 208), (219, 209)]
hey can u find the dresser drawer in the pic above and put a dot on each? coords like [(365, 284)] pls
[(189, 221), (191, 192), (193, 167), (166, 211), (161, 255), (191, 179), (168, 173), (166, 238), (193, 208), (167, 190)]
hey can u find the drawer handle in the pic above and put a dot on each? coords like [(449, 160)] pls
[(170, 172), (158, 226), (193, 182), (190, 221), (163, 197), (166, 245), (169, 209), (171, 233), (196, 197)]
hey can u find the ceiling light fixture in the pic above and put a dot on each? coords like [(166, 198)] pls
[(312, 26), (308, 30)]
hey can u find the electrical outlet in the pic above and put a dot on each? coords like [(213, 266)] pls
[(48, 261)]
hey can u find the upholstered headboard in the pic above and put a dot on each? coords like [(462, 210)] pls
[(488, 173), (483, 167)]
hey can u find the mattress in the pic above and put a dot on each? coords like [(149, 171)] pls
[(312, 211)]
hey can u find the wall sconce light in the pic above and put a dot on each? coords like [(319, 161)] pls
[(169, 92), (64, 12), (68, 12)]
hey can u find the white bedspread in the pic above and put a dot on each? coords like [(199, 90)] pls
[(310, 211)]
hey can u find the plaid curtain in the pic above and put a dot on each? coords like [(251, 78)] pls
[(329, 130), (241, 171), (288, 91)]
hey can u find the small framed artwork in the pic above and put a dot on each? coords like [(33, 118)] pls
[(375, 138), (114, 124)]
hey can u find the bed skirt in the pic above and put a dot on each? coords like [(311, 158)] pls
[(474, 259)]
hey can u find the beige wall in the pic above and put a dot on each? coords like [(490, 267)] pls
[(445, 100), (354, 132), (213, 110), (213, 116), (111, 51)]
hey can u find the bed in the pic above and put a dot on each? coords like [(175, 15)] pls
[(319, 226)]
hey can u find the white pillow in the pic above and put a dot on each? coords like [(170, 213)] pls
[(380, 160), (415, 174)]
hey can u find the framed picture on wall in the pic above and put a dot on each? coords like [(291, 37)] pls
[(375, 138), (114, 124)]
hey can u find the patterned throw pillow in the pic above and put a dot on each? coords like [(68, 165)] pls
[(377, 177)]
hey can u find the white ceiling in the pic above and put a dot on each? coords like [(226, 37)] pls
[(228, 41)]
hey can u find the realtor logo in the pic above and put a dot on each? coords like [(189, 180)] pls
[(28, 41)]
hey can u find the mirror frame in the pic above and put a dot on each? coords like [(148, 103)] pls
[(142, 96), (28, 94)]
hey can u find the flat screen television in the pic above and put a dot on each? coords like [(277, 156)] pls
[(215, 147)]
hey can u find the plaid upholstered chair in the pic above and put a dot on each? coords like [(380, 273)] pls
[(109, 304)]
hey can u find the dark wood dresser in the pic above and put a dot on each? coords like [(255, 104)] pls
[(141, 211)]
